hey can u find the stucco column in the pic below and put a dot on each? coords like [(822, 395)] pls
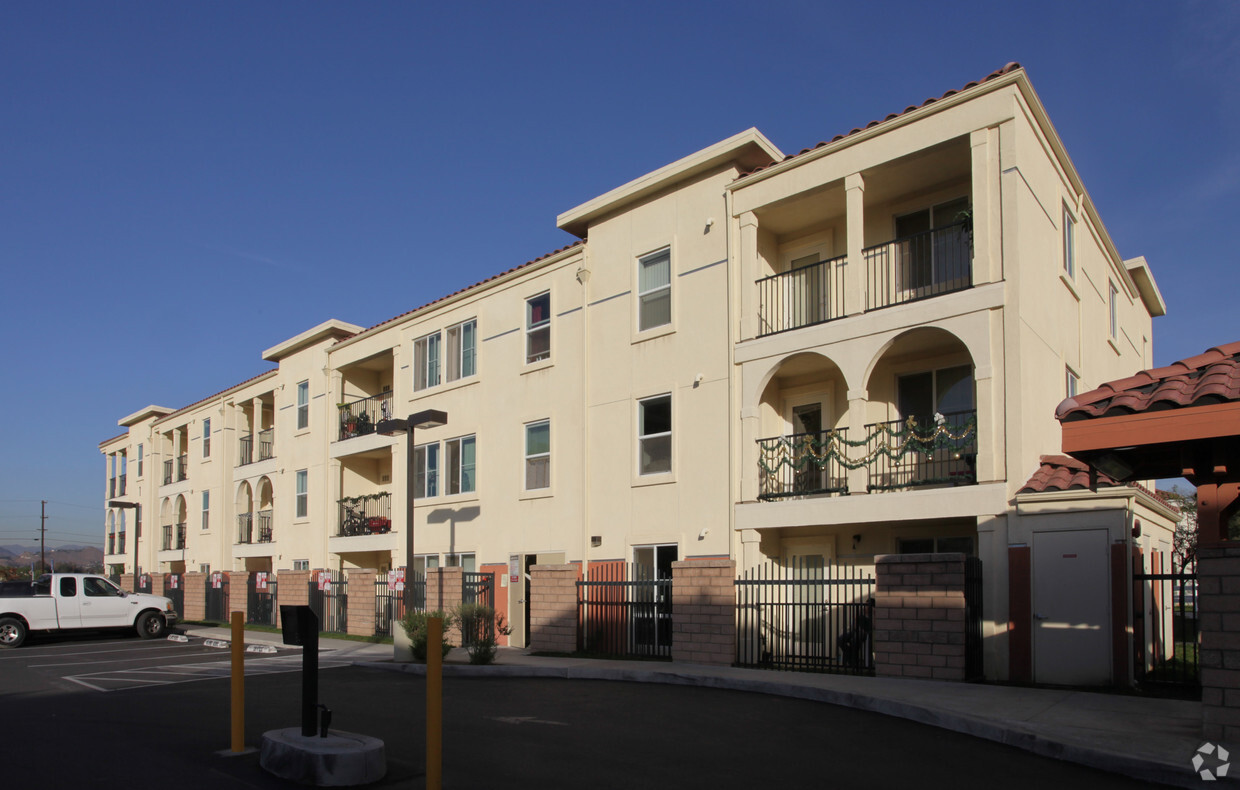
[(855, 282), (176, 452), (749, 453), (987, 252), (858, 408), (989, 429), (751, 548), (749, 273)]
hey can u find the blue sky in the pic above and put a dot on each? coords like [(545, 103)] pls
[(185, 184)]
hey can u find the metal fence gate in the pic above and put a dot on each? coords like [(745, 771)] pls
[(1165, 629), (973, 656), (174, 590), (806, 615), (329, 598), (624, 609), (477, 588), (390, 602), (217, 598), (144, 584), (261, 602)]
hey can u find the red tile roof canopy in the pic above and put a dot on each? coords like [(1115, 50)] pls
[(1182, 420)]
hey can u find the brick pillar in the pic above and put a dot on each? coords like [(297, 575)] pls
[(704, 611), (291, 589), (1218, 601), (127, 582), (553, 608), (443, 593), (157, 584), (919, 626), (195, 596), (238, 593), (362, 601)]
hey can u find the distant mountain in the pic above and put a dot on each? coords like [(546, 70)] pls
[(85, 556)]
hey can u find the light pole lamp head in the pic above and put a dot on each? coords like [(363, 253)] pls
[(427, 418)]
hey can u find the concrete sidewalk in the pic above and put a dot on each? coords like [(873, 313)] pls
[(1142, 737)]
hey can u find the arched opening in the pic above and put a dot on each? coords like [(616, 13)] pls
[(802, 421), (182, 518), (245, 513), (266, 505), (921, 421)]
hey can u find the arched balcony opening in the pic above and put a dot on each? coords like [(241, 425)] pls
[(803, 417), (266, 508), (245, 513)]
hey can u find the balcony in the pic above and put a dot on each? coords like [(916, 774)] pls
[(245, 450), (369, 514), (920, 266), (246, 531), (803, 464), (120, 487), (359, 417), (176, 469), (120, 543), (266, 444), (173, 539), (802, 297)]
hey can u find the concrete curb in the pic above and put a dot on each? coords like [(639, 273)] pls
[(1005, 732)]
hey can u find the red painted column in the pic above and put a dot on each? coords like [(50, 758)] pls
[(1020, 615)]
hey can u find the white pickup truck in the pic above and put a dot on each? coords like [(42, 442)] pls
[(63, 601)]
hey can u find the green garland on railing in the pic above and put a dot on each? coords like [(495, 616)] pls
[(799, 453), (354, 500)]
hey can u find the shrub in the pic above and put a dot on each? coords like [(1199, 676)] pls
[(480, 626), (415, 626)]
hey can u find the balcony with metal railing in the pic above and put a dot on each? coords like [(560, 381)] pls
[(120, 543), (245, 450), (803, 464), (359, 417), (369, 514), (173, 537), (927, 264), (254, 527), (266, 444), (804, 296)]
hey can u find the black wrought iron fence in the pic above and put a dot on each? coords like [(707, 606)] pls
[(935, 449), (329, 598), (174, 590), (143, 584), (1166, 632), (925, 264), (477, 588), (262, 602), (245, 450), (973, 657), (624, 609), (360, 417), (806, 616), (217, 609), (266, 444), (801, 297), (368, 514)]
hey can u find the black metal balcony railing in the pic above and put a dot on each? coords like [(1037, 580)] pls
[(120, 487), (112, 488), (245, 527), (802, 464), (245, 450), (173, 539), (249, 532), (168, 471), (111, 544), (359, 417), (370, 514), (266, 444), (120, 543), (182, 467), (926, 264), (802, 297), (264, 527), (931, 450)]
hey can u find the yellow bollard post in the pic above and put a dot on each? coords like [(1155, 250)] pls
[(238, 682), (434, 703)]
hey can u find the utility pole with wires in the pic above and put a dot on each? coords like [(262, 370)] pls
[(42, 537)]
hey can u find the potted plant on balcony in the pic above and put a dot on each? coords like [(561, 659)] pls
[(364, 424), (348, 421)]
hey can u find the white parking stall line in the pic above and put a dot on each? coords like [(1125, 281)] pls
[(117, 660), (189, 673)]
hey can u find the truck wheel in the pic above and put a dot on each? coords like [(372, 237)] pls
[(12, 632), (151, 625)]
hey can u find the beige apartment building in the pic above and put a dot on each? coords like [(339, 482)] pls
[(851, 351)]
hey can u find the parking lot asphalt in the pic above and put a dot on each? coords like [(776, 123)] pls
[(521, 732), (516, 732)]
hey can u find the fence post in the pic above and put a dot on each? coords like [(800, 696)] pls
[(157, 584), (195, 595), (1218, 568), (553, 608), (919, 616), (704, 611), (127, 582), (291, 588), (361, 617), (238, 592)]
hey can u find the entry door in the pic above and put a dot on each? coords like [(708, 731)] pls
[(1071, 608), (806, 420)]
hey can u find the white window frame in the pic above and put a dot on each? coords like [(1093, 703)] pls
[(301, 565), (1113, 309), (664, 289), (536, 329), (302, 498), (427, 367), (1069, 243), (458, 561), (206, 509), (454, 466), (1072, 382), (426, 459), (140, 460), (643, 437), (460, 359), (206, 437), (531, 459), (303, 405)]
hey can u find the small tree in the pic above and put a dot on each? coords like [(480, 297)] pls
[(1185, 542), (418, 631), (480, 626)]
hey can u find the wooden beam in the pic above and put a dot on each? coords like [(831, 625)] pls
[(1215, 421)]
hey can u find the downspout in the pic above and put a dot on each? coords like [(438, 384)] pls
[(583, 277)]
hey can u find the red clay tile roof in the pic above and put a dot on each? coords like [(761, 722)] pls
[(1061, 473), (577, 243), (1212, 377), (993, 75), (216, 395)]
